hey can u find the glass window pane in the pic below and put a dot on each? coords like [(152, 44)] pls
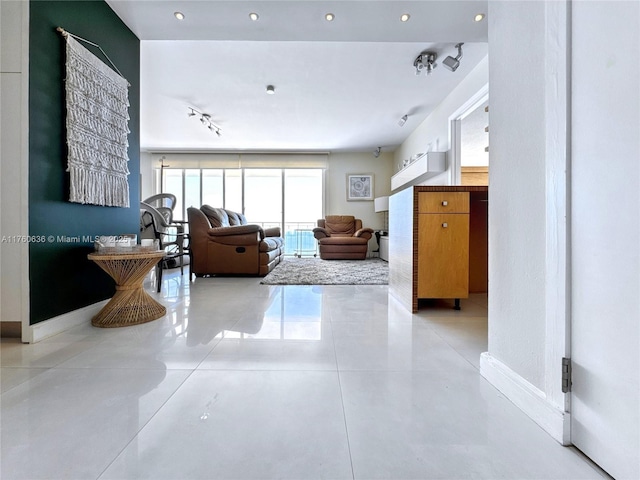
[(233, 190), (172, 183), (263, 196), (212, 193), (303, 208), (191, 189)]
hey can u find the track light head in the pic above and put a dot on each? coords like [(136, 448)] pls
[(425, 61), (453, 63), (376, 152), (430, 67), (403, 120)]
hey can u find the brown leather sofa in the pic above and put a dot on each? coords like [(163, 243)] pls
[(341, 237), (223, 243)]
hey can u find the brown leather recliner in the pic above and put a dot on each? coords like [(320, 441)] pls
[(223, 243), (341, 237)]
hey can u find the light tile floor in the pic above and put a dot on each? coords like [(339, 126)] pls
[(247, 381)]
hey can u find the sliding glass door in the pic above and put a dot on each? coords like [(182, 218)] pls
[(172, 182), (263, 196), (291, 199), (212, 187), (302, 208), (233, 191)]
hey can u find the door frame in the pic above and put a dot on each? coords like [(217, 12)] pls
[(557, 106), (455, 137)]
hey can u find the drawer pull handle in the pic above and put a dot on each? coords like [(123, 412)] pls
[(445, 203), (445, 225)]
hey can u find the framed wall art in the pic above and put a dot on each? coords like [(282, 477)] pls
[(360, 186)]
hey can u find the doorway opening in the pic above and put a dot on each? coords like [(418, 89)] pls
[(469, 140), (469, 166)]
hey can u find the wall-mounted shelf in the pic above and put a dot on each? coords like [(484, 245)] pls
[(429, 165)]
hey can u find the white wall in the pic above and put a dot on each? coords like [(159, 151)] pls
[(341, 164), (14, 283), (147, 187), (433, 133), (517, 179), (528, 208), (542, 274)]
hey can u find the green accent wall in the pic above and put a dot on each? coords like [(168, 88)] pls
[(61, 277)]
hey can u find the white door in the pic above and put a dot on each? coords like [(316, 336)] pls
[(605, 218)]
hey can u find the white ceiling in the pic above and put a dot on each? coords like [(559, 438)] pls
[(340, 86)]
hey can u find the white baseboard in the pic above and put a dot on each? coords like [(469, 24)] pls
[(530, 399), (63, 322)]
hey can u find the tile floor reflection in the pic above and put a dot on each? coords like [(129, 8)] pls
[(247, 381)]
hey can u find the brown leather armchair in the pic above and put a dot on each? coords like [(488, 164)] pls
[(223, 243), (341, 237)]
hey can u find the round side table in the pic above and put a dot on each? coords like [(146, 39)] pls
[(131, 304)]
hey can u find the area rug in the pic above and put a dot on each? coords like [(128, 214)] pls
[(314, 271)]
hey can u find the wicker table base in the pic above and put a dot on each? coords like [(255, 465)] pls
[(131, 304)]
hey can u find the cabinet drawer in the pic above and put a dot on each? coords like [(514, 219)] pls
[(443, 202)]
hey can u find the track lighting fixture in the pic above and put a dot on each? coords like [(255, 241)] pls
[(376, 152), (453, 63), (205, 119), (403, 120), (425, 61)]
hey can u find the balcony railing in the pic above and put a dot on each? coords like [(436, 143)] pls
[(298, 237)]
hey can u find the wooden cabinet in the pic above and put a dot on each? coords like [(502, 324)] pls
[(443, 245), (438, 244)]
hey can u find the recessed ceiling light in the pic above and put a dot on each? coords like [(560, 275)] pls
[(254, 16), (179, 15), (271, 89), (479, 17), (329, 17), (405, 17)]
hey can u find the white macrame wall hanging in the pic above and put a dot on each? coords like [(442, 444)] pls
[(97, 129)]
